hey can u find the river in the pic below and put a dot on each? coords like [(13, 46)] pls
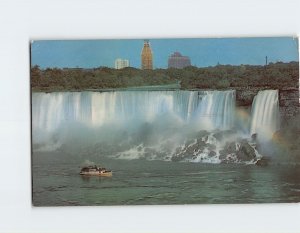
[(164, 147)]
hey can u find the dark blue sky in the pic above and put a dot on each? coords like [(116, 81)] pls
[(203, 52)]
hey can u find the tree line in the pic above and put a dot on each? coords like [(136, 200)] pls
[(274, 75)]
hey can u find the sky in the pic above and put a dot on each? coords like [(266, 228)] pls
[(202, 52)]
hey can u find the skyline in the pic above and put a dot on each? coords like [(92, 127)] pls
[(203, 52)]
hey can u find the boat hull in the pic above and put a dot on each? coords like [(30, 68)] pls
[(96, 173)]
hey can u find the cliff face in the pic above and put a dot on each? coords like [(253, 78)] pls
[(245, 95), (289, 103), (288, 100)]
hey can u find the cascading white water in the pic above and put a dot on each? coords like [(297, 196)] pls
[(216, 110), (265, 114), (170, 125), (208, 109)]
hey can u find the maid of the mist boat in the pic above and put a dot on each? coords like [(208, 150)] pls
[(95, 171)]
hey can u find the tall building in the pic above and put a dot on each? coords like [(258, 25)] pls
[(121, 63), (146, 57), (176, 60)]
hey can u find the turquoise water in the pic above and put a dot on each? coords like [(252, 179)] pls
[(56, 182)]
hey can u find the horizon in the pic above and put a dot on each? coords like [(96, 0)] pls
[(203, 52), (138, 68)]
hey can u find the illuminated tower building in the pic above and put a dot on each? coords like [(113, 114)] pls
[(147, 62)]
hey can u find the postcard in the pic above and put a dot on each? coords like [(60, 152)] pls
[(165, 121)]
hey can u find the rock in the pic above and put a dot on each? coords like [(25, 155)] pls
[(222, 154), (231, 148), (254, 137), (210, 146), (246, 152), (211, 154), (264, 161), (218, 135), (176, 158), (199, 141), (189, 149)]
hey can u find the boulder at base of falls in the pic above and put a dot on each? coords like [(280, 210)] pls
[(246, 152), (188, 150), (211, 154), (263, 162), (237, 151), (230, 148)]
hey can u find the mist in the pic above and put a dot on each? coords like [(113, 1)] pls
[(190, 126)]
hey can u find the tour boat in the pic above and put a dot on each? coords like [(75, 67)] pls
[(95, 171)]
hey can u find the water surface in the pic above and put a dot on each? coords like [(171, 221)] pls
[(56, 182)]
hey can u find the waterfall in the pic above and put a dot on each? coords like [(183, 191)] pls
[(265, 114), (170, 125), (208, 109), (216, 110)]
